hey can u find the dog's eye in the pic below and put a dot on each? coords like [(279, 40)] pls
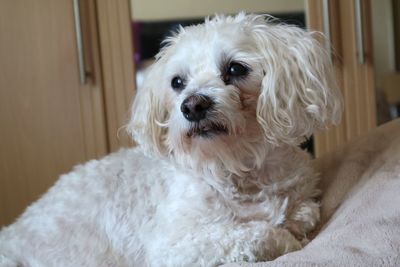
[(236, 70), (177, 83)]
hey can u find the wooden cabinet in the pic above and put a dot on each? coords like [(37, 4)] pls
[(50, 119), (347, 23)]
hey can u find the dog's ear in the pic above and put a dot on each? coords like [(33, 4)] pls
[(299, 93), (149, 112), (150, 109)]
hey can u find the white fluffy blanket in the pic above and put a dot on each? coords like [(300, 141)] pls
[(360, 206)]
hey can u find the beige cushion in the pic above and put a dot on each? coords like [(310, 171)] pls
[(360, 206)]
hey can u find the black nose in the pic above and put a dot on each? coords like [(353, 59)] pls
[(194, 108)]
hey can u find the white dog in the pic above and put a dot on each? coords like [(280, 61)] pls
[(217, 176)]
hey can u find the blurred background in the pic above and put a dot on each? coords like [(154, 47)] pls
[(69, 70), (150, 26)]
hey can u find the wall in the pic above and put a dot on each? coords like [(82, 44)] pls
[(148, 10), (383, 38)]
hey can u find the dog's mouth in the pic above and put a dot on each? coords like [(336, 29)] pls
[(206, 129)]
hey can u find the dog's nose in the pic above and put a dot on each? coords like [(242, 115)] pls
[(194, 108)]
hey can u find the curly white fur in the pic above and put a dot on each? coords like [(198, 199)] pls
[(178, 199)]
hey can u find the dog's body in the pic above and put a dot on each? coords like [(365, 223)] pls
[(128, 209), (218, 176)]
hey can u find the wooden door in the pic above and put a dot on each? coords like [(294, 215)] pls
[(347, 26), (50, 121)]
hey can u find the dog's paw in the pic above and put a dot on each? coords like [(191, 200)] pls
[(287, 243), (303, 220), (279, 242)]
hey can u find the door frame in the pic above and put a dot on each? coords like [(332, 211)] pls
[(117, 66)]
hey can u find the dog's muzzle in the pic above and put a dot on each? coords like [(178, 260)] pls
[(199, 110), (195, 107)]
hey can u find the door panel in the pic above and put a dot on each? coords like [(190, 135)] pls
[(43, 110), (355, 78)]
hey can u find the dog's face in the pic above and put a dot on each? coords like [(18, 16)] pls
[(235, 82)]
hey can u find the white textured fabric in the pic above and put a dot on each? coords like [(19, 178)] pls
[(360, 213)]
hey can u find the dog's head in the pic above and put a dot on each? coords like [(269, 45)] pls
[(235, 81)]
